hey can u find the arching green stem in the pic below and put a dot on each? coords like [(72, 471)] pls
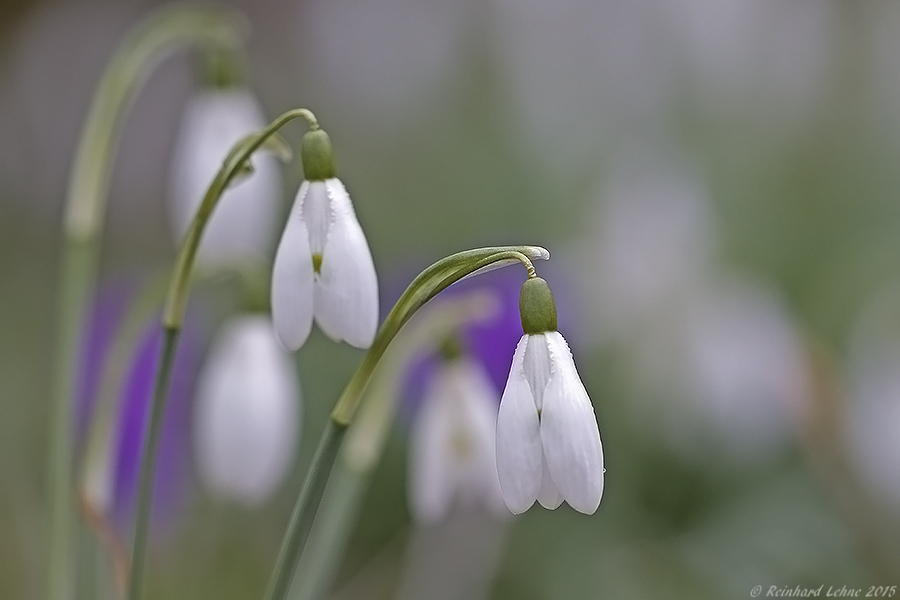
[(364, 443), (153, 40), (173, 317), (426, 286)]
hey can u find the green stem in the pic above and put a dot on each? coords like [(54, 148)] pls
[(365, 440), (98, 455), (305, 509), (179, 289), (154, 39), (173, 317), (332, 527), (426, 286), (75, 289), (148, 459)]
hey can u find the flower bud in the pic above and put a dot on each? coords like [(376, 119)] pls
[(317, 156), (537, 307)]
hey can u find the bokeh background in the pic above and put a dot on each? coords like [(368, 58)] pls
[(717, 181)]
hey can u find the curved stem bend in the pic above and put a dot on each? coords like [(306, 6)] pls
[(173, 317), (423, 288), (85, 206)]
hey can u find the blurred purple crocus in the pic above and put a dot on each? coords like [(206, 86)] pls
[(490, 342), (131, 406)]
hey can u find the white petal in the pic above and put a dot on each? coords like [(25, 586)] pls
[(569, 432), (431, 481), (549, 495), (292, 280), (519, 449), (453, 454), (346, 291), (318, 215), (537, 367), (247, 412), (475, 419), (242, 226)]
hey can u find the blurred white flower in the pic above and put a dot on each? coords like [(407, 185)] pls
[(323, 267), (728, 368), (873, 410), (242, 227), (247, 414), (653, 242), (548, 442), (452, 449)]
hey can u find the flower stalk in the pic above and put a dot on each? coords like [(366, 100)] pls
[(235, 164), (153, 40), (423, 288), (364, 443)]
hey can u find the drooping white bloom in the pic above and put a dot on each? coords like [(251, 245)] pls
[(247, 412), (243, 224), (548, 442), (453, 451), (323, 268)]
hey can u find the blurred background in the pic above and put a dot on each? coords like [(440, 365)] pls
[(717, 182)]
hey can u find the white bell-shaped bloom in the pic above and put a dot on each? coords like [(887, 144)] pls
[(453, 451), (548, 442), (323, 269), (247, 413), (242, 227)]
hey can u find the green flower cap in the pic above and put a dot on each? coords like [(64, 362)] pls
[(316, 156), (537, 307), (451, 347), (224, 69)]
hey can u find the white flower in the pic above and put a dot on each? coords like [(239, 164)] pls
[(247, 412), (548, 442), (323, 268), (243, 224), (452, 450)]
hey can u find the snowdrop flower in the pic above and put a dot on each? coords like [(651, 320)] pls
[(243, 225), (548, 442), (246, 417), (323, 266), (453, 450)]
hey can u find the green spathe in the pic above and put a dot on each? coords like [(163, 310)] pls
[(317, 156), (537, 307)]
